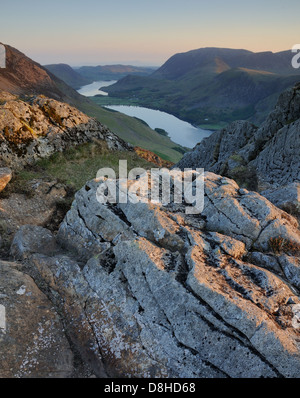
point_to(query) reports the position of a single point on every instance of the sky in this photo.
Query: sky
(144, 32)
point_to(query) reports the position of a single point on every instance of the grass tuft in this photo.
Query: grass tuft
(77, 165)
(281, 245)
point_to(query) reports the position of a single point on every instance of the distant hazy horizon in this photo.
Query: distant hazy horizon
(136, 32)
(140, 63)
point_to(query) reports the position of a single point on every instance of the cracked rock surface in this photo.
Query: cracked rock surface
(148, 291)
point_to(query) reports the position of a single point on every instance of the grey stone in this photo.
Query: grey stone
(247, 217)
(286, 198)
(291, 268)
(168, 298)
(93, 227)
(266, 261)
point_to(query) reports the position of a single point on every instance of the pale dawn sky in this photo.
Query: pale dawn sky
(93, 32)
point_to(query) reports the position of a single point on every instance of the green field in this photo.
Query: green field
(104, 100)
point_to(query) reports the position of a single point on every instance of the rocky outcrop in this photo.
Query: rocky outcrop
(244, 152)
(279, 160)
(37, 202)
(148, 291)
(40, 126)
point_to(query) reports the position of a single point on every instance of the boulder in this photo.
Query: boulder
(32, 239)
(37, 202)
(245, 215)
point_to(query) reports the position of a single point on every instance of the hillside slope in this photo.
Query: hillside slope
(112, 72)
(68, 75)
(24, 77)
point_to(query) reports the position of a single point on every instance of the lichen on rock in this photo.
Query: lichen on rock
(40, 126)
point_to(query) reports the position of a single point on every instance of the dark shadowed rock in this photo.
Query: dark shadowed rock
(32, 339)
(33, 239)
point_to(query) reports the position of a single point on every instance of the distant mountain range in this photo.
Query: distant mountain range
(78, 77)
(68, 75)
(213, 86)
(26, 78)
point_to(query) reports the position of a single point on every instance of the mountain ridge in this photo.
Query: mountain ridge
(84, 75)
(213, 86)
(233, 57)
(67, 74)
(112, 72)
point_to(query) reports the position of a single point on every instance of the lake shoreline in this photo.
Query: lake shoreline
(179, 131)
(105, 101)
(92, 89)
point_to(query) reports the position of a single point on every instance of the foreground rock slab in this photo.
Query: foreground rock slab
(148, 291)
(32, 340)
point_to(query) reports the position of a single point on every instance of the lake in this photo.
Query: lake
(93, 89)
(179, 131)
